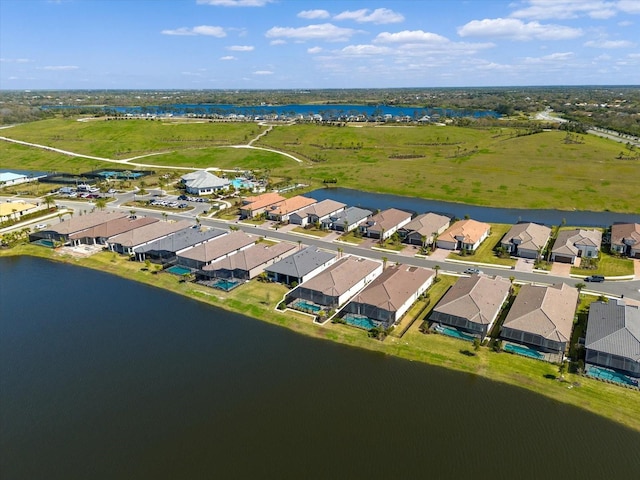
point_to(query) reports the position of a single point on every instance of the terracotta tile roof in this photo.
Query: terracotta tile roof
(261, 201)
(625, 233)
(469, 231)
(290, 205)
(113, 227)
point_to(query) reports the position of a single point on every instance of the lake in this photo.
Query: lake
(382, 201)
(102, 377)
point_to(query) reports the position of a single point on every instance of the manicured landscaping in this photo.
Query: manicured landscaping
(609, 266)
(311, 231)
(486, 253)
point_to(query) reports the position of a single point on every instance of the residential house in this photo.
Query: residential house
(625, 239)
(60, 232)
(203, 183)
(98, 234)
(423, 229)
(317, 212)
(335, 285)
(300, 266)
(257, 205)
(472, 304)
(127, 242)
(15, 209)
(387, 298)
(571, 244)
(220, 247)
(248, 263)
(526, 240)
(165, 250)
(346, 220)
(384, 224)
(464, 235)
(281, 211)
(542, 317)
(613, 337)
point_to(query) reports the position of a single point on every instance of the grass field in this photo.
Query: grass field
(484, 167)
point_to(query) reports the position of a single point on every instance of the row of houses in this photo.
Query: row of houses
(541, 319)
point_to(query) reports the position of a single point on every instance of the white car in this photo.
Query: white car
(41, 226)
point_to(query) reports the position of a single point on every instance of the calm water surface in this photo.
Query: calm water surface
(484, 214)
(105, 378)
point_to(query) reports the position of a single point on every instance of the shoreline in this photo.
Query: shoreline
(613, 402)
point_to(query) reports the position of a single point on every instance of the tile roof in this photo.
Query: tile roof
(302, 262)
(7, 208)
(141, 235)
(320, 209)
(532, 236)
(471, 231)
(251, 257)
(219, 247)
(341, 276)
(625, 233)
(427, 223)
(113, 227)
(394, 287)
(290, 205)
(78, 223)
(351, 215)
(261, 201)
(614, 328)
(567, 240)
(544, 311)
(477, 298)
(387, 219)
(181, 239)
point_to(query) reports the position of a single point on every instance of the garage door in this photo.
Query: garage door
(562, 259)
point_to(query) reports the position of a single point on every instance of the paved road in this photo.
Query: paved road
(628, 289)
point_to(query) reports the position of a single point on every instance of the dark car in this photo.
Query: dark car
(182, 197)
(473, 271)
(594, 278)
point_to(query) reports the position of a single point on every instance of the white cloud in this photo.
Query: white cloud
(554, 57)
(609, 44)
(629, 6)
(206, 30)
(564, 9)
(241, 48)
(634, 55)
(410, 36)
(515, 29)
(378, 16)
(278, 42)
(313, 14)
(263, 72)
(314, 50)
(228, 57)
(365, 50)
(15, 60)
(324, 31)
(234, 3)
(60, 67)
(625, 23)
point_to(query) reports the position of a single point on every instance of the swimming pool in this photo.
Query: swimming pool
(306, 306)
(452, 332)
(44, 242)
(226, 284)
(359, 321)
(524, 351)
(610, 375)
(178, 270)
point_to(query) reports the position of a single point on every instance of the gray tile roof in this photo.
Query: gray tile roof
(251, 257)
(528, 236)
(614, 328)
(219, 247)
(320, 209)
(351, 215)
(78, 223)
(477, 298)
(544, 311)
(203, 179)
(301, 263)
(567, 240)
(180, 240)
(113, 227)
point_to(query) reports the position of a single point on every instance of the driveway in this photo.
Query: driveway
(524, 265)
(561, 269)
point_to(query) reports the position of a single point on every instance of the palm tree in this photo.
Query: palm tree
(436, 268)
(101, 203)
(340, 250)
(165, 215)
(384, 262)
(48, 200)
(132, 212)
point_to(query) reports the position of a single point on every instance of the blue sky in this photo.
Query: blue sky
(271, 44)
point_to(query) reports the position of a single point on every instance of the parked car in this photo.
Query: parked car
(594, 278)
(182, 197)
(40, 226)
(473, 270)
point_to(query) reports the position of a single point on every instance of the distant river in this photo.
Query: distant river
(382, 201)
(327, 112)
(102, 377)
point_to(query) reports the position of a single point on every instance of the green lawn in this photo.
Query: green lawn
(485, 252)
(311, 231)
(609, 266)
(351, 238)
